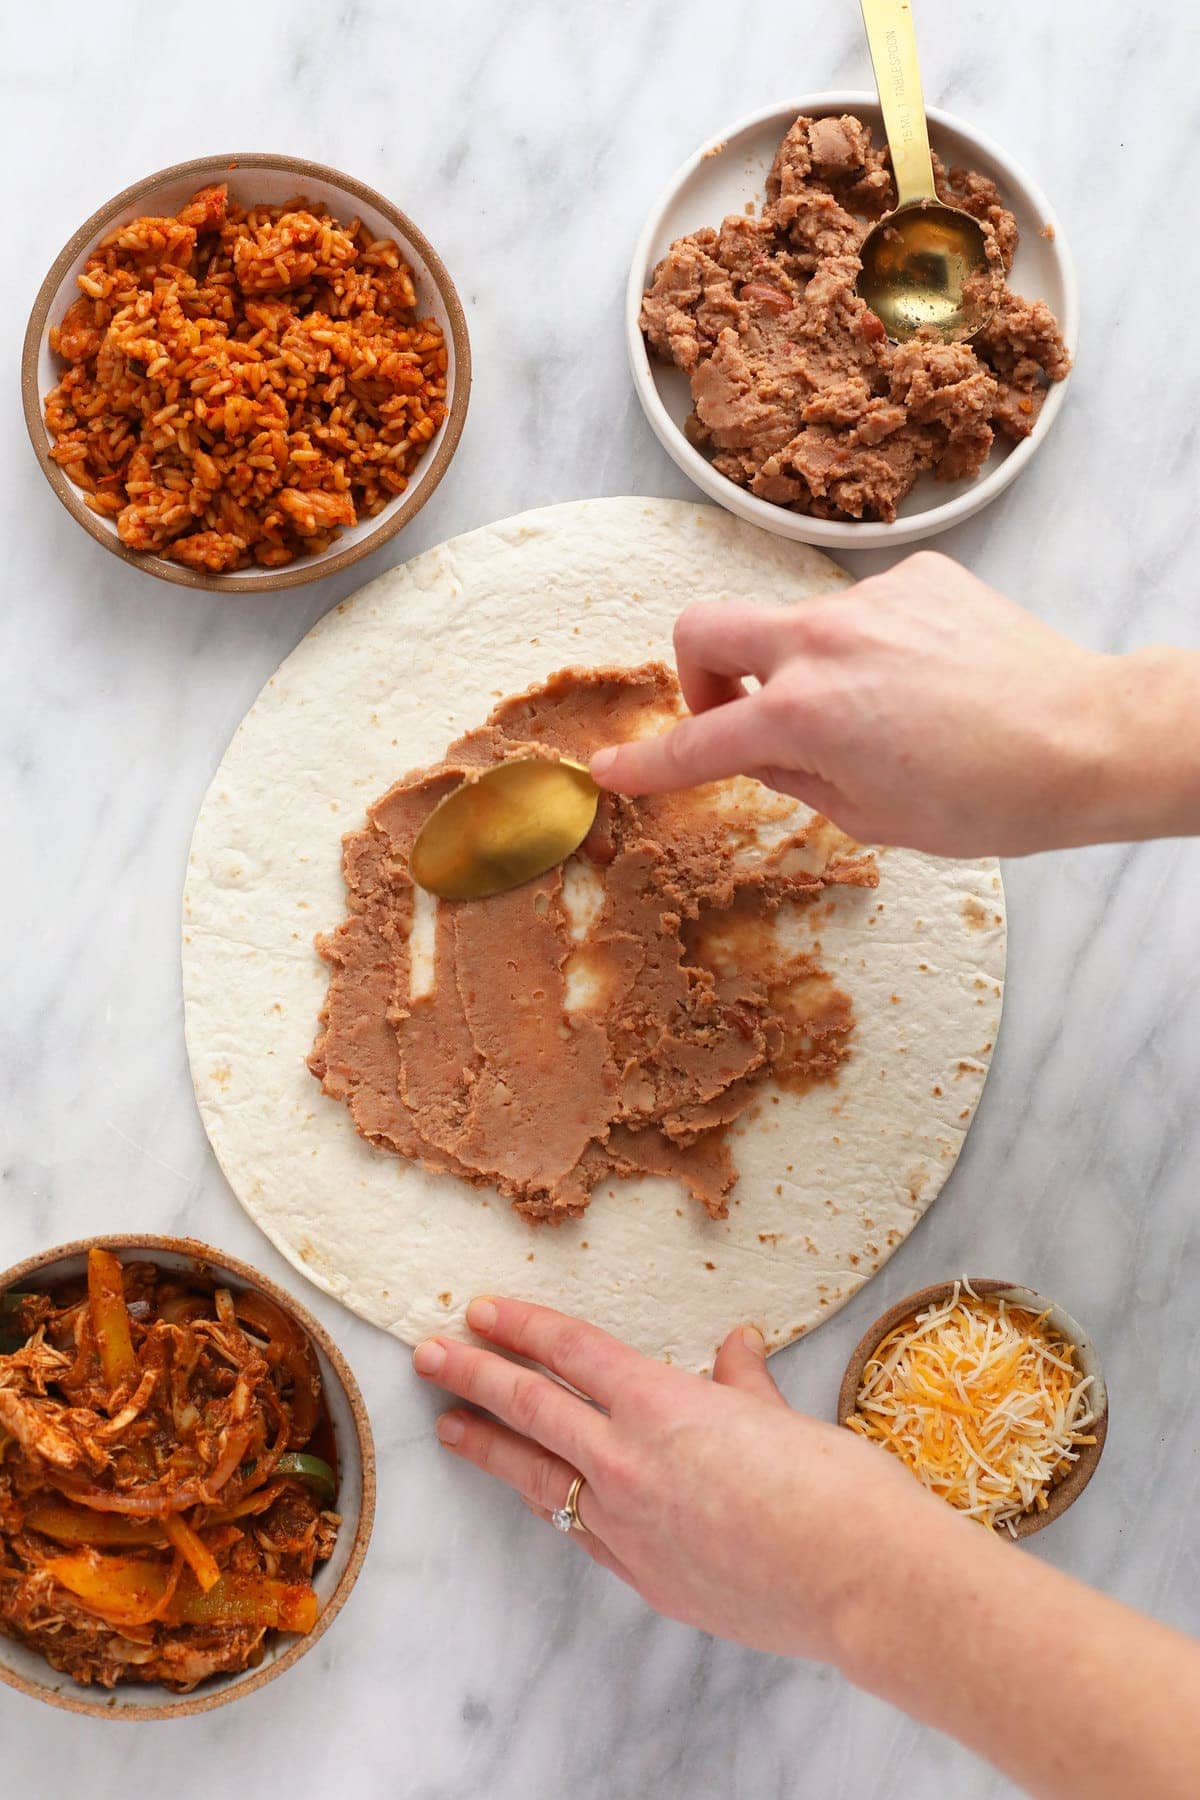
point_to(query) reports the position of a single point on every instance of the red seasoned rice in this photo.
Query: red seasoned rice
(242, 384)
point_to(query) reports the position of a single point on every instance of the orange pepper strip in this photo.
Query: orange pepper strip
(258, 1502)
(110, 1317)
(239, 1599)
(124, 1590)
(290, 1344)
(79, 1525)
(194, 1551)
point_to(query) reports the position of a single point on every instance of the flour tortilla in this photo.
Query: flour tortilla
(830, 1181)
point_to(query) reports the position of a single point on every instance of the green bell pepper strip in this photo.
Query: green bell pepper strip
(311, 1469)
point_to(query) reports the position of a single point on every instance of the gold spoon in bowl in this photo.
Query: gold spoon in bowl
(925, 263)
(503, 826)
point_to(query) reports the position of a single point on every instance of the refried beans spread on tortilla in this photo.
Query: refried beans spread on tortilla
(796, 390)
(610, 1018)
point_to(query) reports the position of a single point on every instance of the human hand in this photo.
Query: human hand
(712, 1499)
(725, 1509)
(920, 707)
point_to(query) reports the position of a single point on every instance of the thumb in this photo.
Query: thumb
(703, 747)
(742, 1363)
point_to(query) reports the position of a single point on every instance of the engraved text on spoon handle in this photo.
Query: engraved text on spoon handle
(893, 45)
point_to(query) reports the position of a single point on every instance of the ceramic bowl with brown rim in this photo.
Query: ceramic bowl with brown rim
(270, 181)
(1063, 1493)
(23, 1668)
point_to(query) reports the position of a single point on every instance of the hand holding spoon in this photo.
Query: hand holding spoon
(503, 826)
(925, 263)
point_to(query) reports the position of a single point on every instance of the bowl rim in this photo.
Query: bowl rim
(232, 1688)
(835, 534)
(327, 563)
(1068, 1490)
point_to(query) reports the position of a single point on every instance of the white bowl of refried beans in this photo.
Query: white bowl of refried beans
(773, 387)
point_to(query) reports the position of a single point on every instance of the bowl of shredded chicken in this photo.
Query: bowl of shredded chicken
(185, 1478)
(991, 1396)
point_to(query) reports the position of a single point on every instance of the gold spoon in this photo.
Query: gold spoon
(503, 826)
(926, 263)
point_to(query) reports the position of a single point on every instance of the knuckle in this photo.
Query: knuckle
(694, 623)
(782, 702)
(567, 1341)
(615, 1472)
(639, 1394)
(547, 1337)
(544, 1488)
(688, 627)
(528, 1403)
(479, 1445)
(675, 747)
(520, 1328)
(464, 1370)
(821, 623)
(927, 564)
(622, 1462)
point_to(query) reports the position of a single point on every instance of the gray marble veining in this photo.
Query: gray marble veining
(481, 1656)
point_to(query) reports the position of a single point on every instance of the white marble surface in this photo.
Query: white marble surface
(481, 1656)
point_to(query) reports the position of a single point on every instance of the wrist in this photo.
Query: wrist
(1138, 770)
(945, 1578)
(899, 1553)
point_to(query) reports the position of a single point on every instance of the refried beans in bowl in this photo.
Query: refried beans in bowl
(774, 386)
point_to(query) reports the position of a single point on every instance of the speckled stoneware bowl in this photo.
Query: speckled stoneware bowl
(271, 180)
(728, 173)
(1068, 1490)
(31, 1674)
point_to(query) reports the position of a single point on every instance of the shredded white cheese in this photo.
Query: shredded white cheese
(982, 1401)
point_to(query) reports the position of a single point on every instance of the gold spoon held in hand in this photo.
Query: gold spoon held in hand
(503, 826)
(926, 264)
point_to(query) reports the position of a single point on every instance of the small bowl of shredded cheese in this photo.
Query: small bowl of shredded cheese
(992, 1396)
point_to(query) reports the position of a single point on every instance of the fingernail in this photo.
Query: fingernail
(450, 1429)
(429, 1357)
(482, 1315)
(754, 1340)
(602, 763)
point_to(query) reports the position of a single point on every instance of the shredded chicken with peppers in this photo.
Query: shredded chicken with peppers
(161, 1511)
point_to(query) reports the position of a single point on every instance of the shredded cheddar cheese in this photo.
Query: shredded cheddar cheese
(982, 1401)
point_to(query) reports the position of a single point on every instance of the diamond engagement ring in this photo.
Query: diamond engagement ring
(566, 1517)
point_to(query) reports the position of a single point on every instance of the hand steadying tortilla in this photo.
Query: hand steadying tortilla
(919, 708)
